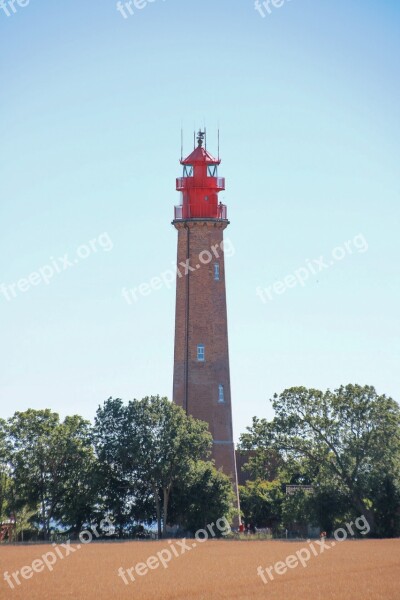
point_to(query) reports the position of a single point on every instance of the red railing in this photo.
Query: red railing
(192, 211)
(215, 183)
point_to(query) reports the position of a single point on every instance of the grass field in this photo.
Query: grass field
(352, 570)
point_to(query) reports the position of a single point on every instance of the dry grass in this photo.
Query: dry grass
(352, 570)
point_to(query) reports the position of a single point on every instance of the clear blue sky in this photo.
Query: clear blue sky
(92, 104)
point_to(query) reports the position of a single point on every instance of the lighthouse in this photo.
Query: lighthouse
(201, 362)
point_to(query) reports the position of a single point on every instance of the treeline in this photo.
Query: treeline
(147, 462)
(343, 446)
(140, 463)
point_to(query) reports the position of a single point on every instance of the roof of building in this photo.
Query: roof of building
(200, 155)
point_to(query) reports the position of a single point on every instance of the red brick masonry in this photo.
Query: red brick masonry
(201, 318)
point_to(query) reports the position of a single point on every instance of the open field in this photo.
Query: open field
(352, 570)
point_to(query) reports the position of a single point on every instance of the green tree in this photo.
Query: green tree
(297, 508)
(347, 440)
(201, 497)
(5, 480)
(261, 502)
(23, 521)
(150, 443)
(48, 459)
(83, 485)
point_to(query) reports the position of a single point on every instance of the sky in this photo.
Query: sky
(306, 96)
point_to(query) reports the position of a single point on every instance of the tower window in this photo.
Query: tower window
(212, 170)
(216, 271)
(188, 171)
(221, 396)
(200, 353)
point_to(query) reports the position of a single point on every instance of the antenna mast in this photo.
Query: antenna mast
(181, 143)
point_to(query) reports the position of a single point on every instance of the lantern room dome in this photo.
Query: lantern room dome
(199, 156)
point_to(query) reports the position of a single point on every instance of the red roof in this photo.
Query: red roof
(200, 155)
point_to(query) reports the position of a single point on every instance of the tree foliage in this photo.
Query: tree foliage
(261, 502)
(345, 442)
(49, 460)
(202, 495)
(149, 444)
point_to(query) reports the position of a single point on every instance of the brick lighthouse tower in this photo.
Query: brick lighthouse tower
(201, 365)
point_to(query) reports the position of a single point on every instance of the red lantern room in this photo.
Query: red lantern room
(200, 186)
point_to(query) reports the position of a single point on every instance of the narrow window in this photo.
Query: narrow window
(221, 397)
(188, 171)
(216, 271)
(212, 171)
(200, 352)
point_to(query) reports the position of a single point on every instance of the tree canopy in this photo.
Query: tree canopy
(147, 462)
(151, 444)
(346, 443)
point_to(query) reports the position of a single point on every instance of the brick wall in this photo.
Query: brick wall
(201, 318)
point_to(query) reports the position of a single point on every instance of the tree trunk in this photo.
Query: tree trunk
(158, 511)
(44, 521)
(364, 511)
(166, 491)
(48, 528)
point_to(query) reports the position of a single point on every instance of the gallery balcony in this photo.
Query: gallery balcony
(201, 211)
